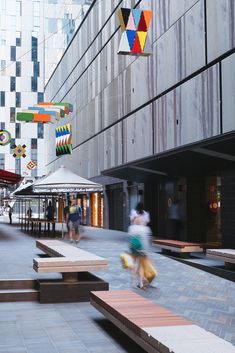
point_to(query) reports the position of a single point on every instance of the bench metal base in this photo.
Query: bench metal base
(59, 291)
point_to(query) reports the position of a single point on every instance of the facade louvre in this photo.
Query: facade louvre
(158, 129)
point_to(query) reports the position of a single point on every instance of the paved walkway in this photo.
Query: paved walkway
(30, 327)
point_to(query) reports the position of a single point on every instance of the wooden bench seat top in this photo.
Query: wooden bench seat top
(176, 243)
(66, 258)
(227, 255)
(154, 328)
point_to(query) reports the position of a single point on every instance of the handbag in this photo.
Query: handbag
(149, 270)
(127, 260)
(135, 242)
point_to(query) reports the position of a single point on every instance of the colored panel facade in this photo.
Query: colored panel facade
(134, 24)
(63, 139)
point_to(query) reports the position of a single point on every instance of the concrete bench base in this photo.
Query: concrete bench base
(59, 291)
(154, 328)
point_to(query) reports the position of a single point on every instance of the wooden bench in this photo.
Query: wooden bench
(155, 328)
(178, 246)
(35, 225)
(226, 255)
(74, 264)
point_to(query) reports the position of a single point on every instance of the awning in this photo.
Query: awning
(8, 178)
(210, 157)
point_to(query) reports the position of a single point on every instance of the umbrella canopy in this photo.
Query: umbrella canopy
(8, 178)
(23, 189)
(63, 180)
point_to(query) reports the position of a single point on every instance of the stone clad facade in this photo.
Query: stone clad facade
(129, 111)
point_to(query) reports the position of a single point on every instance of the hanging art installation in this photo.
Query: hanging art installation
(134, 24)
(31, 165)
(18, 151)
(45, 112)
(63, 135)
(5, 137)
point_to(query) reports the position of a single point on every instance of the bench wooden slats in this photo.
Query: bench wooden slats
(135, 311)
(154, 328)
(178, 246)
(176, 243)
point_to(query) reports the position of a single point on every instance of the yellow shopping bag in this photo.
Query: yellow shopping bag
(149, 270)
(127, 260)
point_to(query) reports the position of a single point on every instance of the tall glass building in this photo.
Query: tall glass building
(33, 36)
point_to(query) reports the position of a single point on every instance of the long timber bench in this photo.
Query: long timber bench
(75, 265)
(155, 328)
(178, 246)
(226, 255)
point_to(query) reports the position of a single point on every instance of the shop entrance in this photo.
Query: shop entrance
(188, 209)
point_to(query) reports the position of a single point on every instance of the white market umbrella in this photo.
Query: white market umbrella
(63, 181)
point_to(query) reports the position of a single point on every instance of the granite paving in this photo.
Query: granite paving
(30, 327)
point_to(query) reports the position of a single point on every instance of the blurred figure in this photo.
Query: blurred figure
(10, 211)
(140, 219)
(139, 255)
(50, 214)
(174, 216)
(66, 216)
(139, 241)
(29, 212)
(74, 219)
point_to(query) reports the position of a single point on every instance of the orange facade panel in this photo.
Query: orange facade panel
(42, 118)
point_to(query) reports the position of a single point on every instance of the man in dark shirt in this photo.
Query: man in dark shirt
(50, 213)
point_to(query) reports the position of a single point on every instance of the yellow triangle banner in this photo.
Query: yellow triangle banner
(142, 38)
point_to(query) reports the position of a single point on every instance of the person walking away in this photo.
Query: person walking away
(74, 218)
(139, 242)
(66, 216)
(50, 213)
(29, 212)
(10, 211)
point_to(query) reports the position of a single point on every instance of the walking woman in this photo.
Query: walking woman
(139, 233)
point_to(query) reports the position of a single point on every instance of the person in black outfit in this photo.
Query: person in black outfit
(50, 214)
(10, 211)
(66, 214)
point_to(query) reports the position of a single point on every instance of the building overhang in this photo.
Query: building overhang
(8, 178)
(204, 158)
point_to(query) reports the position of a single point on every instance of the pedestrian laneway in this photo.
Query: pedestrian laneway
(30, 327)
